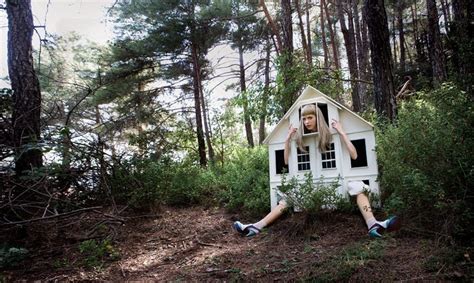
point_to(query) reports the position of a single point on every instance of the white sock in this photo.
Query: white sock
(372, 221)
(260, 224)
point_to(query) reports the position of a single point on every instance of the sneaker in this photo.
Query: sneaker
(391, 224)
(376, 231)
(245, 230)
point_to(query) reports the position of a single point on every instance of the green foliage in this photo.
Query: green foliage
(148, 183)
(292, 76)
(244, 181)
(60, 263)
(426, 161)
(11, 256)
(311, 197)
(6, 103)
(97, 252)
(240, 183)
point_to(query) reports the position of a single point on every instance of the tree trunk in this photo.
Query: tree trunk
(446, 13)
(366, 45)
(25, 85)
(438, 64)
(361, 55)
(323, 36)
(384, 90)
(197, 106)
(394, 40)
(287, 51)
(243, 92)
(302, 31)
(418, 38)
(308, 30)
(207, 130)
(351, 52)
(266, 90)
(273, 26)
(335, 51)
(401, 35)
(287, 26)
(414, 21)
(461, 34)
(100, 155)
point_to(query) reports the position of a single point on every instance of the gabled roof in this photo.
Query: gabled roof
(311, 93)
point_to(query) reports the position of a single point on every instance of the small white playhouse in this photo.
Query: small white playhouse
(330, 165)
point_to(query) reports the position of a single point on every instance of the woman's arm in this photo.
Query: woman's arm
(352, 150)
(286, 152)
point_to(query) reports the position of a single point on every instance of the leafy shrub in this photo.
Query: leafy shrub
(11, 256)
(245, 182)
(426, 162)
(138, 183)
(96, 253)
(149, 183)
(311, 197)
(190, 184)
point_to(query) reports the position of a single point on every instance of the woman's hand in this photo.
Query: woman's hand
(291, 132)
(337, 126)
(352, 150)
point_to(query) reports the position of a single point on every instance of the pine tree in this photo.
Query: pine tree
(384, 90)
(25, 85)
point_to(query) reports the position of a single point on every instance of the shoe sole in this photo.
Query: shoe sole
(237, 229)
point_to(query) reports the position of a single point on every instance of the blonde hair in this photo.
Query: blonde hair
(321, 127)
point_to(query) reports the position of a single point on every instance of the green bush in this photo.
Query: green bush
(11, 256)
(426, 162)
(97, 252)
(138, 183)
(190, 184)
(245, 182)
(148, 183)
(311, 197)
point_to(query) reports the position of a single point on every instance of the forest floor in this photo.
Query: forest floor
(198, 244)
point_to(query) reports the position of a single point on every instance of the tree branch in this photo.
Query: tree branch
(51, 217)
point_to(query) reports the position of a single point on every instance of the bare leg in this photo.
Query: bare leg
(251, 230)
(390, 224)
(364, 207)
(272, 216)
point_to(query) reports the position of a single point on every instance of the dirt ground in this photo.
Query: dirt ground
(198, 244)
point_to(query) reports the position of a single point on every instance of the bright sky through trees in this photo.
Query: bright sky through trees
(85, 17)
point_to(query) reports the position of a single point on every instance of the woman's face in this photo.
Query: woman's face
(309, 121)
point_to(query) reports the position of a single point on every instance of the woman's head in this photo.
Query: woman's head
(308, 118)
(312, 120)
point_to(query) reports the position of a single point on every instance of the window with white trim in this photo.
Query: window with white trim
(329, 158)
(303, 159)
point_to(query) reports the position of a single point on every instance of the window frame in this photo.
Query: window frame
(324, 109)
(307, 162)
(361, 148)
(332, 161)
(280, 162)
